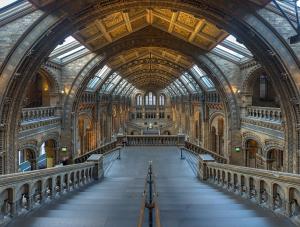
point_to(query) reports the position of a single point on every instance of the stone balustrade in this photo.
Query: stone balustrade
(22, 192)
(155, 140)
(31, 114)
(273, 190)
(191, 147)
(265, 113)
(104, 149)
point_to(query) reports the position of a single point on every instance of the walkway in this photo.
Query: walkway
(183, 200)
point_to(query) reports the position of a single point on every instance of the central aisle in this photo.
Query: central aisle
(183, 200)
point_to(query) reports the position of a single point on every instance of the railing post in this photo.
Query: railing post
(181, 154)
(203, 159)
(98, 160)
(150, 205)
(119, 155)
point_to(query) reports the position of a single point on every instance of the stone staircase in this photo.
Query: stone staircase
(184, 201)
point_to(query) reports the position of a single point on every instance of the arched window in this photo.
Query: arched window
(139, 100)
(161, 100)
(150, 99)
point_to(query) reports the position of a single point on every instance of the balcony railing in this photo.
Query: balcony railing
(31, 114)
(272, 190)
(265, 113)
(104, 149)
(155, 140)
(200, 150)
(23, 192)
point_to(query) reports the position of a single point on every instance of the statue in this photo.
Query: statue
(24, 202)
(236, 188)
(57, 189)
(277, 201)
(252, 194)
(7, 208)
(295, 209)
(37, 197)
(264, 196)
(71, 185)
(243, 190)
(65, 188)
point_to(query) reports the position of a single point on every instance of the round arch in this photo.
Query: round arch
(277, 57)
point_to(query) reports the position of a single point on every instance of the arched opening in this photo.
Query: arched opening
(40, 92)
(275, 160)
(217, 134)
(213, 136)
(150, 99)
(263, 93)
(27, 160)
(294, 204)
(48, 154)
(139, 100)
(86, 137)
(252, 149)
(6, 198)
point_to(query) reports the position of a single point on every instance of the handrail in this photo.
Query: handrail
(104, 149)
(200, 150)
(277, 191)
(152, 201)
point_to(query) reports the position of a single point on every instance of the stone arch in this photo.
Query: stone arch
(51, 136)
(29, 144)
(272, 144)
(32, 148)
(248, 81)
(253, 29)
(52, 79)
(251, 136)
(218, 133)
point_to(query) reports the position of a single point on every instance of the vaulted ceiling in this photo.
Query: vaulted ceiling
(197, 31)
(149, 67)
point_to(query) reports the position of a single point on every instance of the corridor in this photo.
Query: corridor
(183, 200)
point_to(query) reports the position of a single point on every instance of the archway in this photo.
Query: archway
(41, 91)
(217, 134)
(86, 140)
(213, 136)
(27, 160)
(252, 149)
(259, 43)
(275, 160)
(48, 154)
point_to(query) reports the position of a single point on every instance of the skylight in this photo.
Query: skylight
(204, 79)
(188, 83)
(235, 54)
(70, 52)
(110, 83)
(120, 86)
(4, 3)
(232, 39)
(99, 76)
(67, 40)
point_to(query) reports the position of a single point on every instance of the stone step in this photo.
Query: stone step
(183, 200)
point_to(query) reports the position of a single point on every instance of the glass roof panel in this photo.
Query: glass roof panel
(204, 79)
(67, 40)
(232, 39)
(4, 3)
(187, 81)
(111, 82)
(99, 76)
(70, 52)
(230, 51)
(120, 86)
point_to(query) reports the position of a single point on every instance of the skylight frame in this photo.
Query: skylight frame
(203, 78)
(98, 78)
